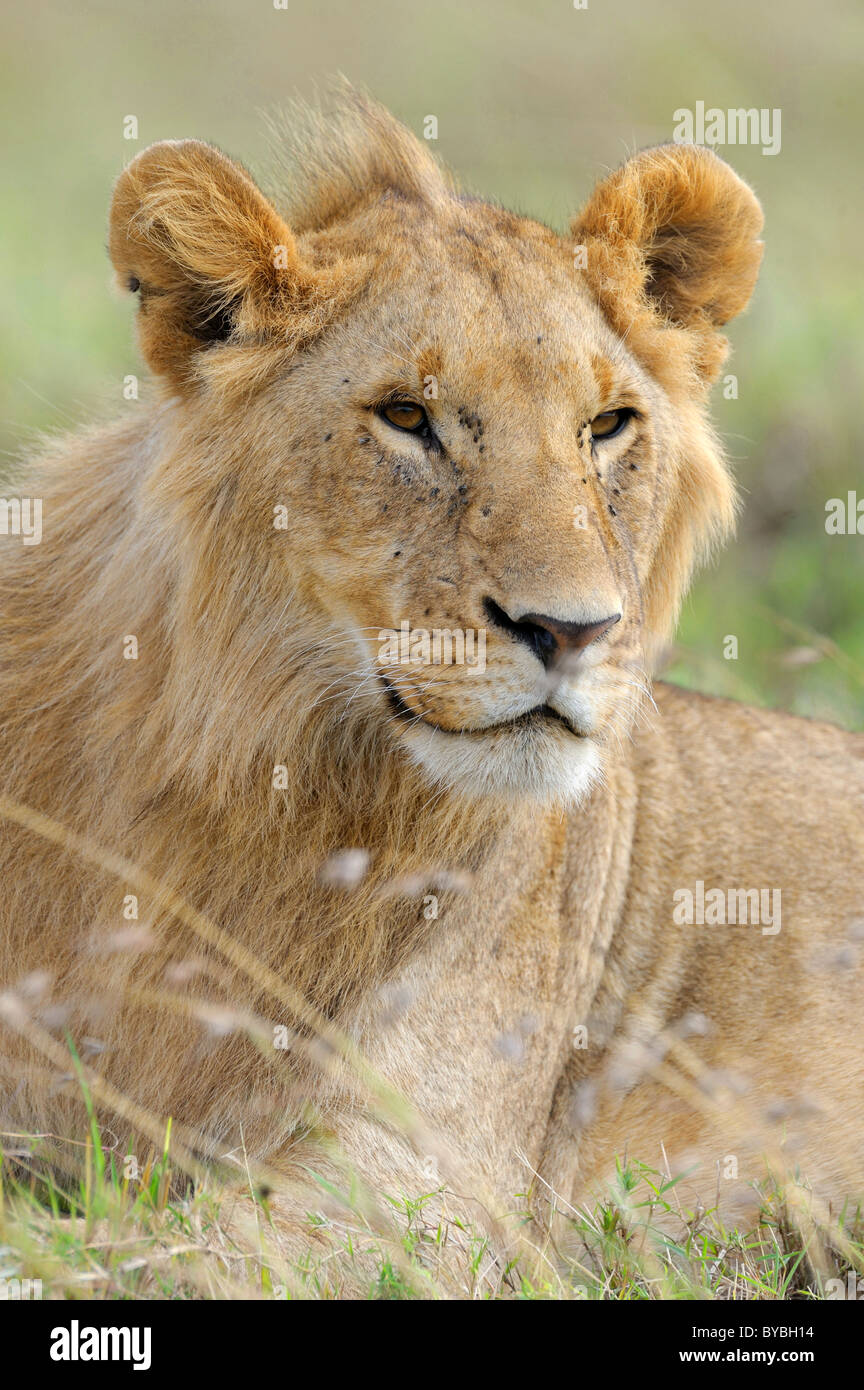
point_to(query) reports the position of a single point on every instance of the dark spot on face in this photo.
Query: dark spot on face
(463, 488)
(613, 511)
(396, 554)
(539, 337)
(482, 447)
(617, 491)
(326, 437)
(584, 480)
(426, 612)
(364, 438)
(634, 466)
(384, 508)
(345, 380)
(434, 492)
(487, 511)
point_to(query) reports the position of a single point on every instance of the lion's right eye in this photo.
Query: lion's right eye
(405, 415)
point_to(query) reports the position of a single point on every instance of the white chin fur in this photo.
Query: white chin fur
(543, 765)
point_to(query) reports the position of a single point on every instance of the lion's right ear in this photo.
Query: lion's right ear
(209, 256)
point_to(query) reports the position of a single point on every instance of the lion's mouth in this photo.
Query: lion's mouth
(536, 718)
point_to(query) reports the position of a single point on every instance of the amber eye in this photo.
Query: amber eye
(405, 415)
(610, 423)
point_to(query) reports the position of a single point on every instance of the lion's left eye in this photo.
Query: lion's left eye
(405, 415)
(610, 423)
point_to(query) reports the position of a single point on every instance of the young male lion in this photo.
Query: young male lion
(560, 921)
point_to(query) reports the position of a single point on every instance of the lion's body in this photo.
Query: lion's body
(252, 735)
(702, 1042)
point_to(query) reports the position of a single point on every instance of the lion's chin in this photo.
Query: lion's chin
(548, 764)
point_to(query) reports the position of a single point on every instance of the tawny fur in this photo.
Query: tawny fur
(273, 332)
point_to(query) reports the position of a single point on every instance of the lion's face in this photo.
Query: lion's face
(476, 472)
(491, 489)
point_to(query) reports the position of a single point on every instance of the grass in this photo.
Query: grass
(111, 1236)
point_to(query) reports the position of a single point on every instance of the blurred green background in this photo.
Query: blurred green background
(534, 99)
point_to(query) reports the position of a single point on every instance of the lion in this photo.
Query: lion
(272, 874)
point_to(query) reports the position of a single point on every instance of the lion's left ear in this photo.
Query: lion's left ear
(677, 232)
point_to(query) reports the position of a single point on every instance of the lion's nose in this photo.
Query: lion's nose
(549, 638)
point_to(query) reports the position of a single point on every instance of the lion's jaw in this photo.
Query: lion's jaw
(513, 731)
(544, 736)
(538, 760)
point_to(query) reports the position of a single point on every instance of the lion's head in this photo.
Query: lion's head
(395, 411)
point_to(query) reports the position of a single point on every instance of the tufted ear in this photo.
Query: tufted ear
(673, 231)
(210, 258)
